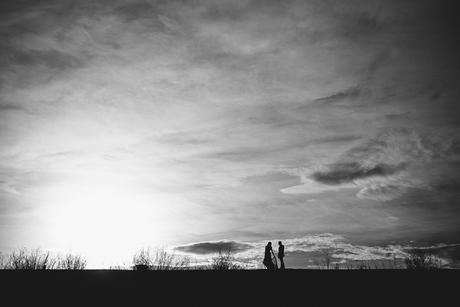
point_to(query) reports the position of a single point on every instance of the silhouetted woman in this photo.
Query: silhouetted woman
(268, 257)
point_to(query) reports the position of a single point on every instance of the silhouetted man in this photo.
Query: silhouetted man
(281, 254)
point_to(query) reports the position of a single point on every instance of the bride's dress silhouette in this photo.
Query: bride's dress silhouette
(269, 257)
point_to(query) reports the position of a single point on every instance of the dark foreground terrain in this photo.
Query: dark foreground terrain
(230, 288)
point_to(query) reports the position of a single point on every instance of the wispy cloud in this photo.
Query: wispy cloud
(382, 168)
(350, 93)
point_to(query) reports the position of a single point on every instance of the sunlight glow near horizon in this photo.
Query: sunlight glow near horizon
(107, 219)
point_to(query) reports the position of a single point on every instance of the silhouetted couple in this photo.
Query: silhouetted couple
(269, 261)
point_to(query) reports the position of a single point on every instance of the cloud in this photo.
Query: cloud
(10, 107)
(9, 187)
(383, 168)
(51, 58)
(346, 172)
(382, 192)
(312, 187)
(338, 139)
(204, 248)
(350, 93)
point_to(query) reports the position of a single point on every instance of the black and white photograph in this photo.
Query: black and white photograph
(209, 146)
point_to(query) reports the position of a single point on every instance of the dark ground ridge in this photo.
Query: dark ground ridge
(235, 288)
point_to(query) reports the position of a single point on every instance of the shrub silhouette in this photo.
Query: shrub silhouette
(71, 262)
(2, 261)
(421, 260)
(326, 255)
(24, 259)
(142, 258)
(224, 261)
(36, 259)
(161, 260)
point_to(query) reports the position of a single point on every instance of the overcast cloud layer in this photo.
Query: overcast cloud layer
(172, 122)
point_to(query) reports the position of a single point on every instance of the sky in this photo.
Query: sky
(192, 124)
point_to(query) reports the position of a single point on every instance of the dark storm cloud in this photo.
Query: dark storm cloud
(346, 172)
(214, 247)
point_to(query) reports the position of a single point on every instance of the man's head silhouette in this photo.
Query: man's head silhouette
(279, 242)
